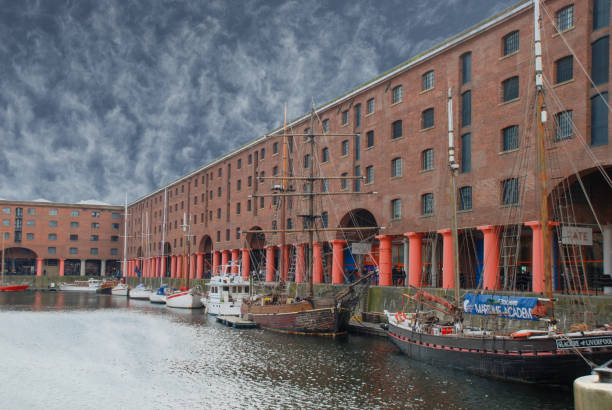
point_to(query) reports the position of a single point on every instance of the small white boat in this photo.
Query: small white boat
(122, 289)
(140, 292)
(185, 299)
(160, 295)
(90, 285)
(224, 295)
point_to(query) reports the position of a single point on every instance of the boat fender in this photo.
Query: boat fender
(400, 316)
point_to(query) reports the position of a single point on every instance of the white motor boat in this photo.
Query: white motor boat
(224, 295)
(186, 299)
(90, 285)
(160, 295)
(122, 289)
(140, 292)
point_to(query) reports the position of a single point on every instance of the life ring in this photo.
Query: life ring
(400, 316)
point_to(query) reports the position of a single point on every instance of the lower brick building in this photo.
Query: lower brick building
(55, 239)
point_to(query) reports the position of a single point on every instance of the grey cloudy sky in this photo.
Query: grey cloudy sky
(99, 98)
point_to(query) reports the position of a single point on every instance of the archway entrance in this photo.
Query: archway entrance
(357, 218)
(256, 242)
(19, 261)
(168, 260)
(206, 246)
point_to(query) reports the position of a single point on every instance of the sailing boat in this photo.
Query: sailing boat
(159, 296)
(142, 291)
(122, 288)
(5, 287)
(547, 356)
(185, 298)
(312, 315)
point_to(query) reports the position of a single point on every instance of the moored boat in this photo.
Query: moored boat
(121, 289)
(159, 296)
(91, 285)
(184, 299)
(13, 288)
(140, 292)
(225, 292)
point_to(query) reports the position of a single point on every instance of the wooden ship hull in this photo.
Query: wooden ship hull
(540, 361)
(304, 318)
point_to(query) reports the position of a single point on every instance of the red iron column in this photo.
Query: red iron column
(414, 258)
(246, 263)
(39, 266)
(491, 257)
(192, 266)
(384, 261)
(173, 266)
(269, 263)
(285, 256)
(200, 265)
(448, 260)
(225, 255)
(537, 256)
(337, 261)
(179, 266)
(61, 266)
(317, 263)
(216, 257)
(235, 256)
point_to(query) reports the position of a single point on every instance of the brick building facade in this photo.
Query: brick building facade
(393, 132)
(55, 239)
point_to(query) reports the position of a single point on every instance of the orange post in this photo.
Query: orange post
(491, 257)
(384, 262)
(414, 258)
(448, 260)
(317, 263)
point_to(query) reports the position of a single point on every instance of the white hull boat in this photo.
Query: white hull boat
(159, 296)
(90, 285)
(140, 292)
(185, 299)
(225, 294)
(121, 289)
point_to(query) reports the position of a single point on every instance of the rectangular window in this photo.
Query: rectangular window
(466, 153)
(275, 148)
(345, 117)
(511, 89)
(114, 251)
(227, 234)
(29, 236)
(369, 174)
(510, 137)
(30, 222)
(511, 43)
(325, 155)
(427, 204)
(345, 147)
(396, 129)
(465, 198)
(370, 139)
(116, 215)
(52, 224)
(344, 181)
(238, 208)
(114, 238)
(307, 161)
(600, 60)
(74, 251)
(250, 159)
(396, 209)
(428, 80)
(31, 211)
(397, 94)
(6, 211)
(95, 214)
(262, 202)
(357, 182)
(565, 18)
(18, 236)
(239, 185)
(466, 108)
(74, 213)
(357, 147)
(93, 251)
(248, 205)
(52, 211)
(220, 170)
(466, 68)
(249, 181)
(510, 191)
(93, 238)
(74, 237)
(427, 118)
(427, 161)
(396, 167)
(239, 163)
(115, 226)
(326, 125)
(599, 119)
(218, 236)
(565, 69)
(95, 225)
(52, 237)
(358, 116)
(601, 14)
(6, 222)
(324, 219)
(370, 105)
(324, 185)
(565, 127)
(51, 250)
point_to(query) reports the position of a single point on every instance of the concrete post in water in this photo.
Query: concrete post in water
(594, 392)
(384, 261)
(83, 261)
(269, 263)
(414, 269)
(317, 263)
(448, 260)
(246, 263)
(491, 257)
(102, 267)
(235, 256)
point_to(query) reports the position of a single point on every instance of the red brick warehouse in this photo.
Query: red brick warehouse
(399, 146)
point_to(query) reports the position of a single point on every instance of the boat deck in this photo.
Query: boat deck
(236, 322)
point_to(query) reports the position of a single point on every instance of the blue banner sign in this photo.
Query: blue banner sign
(509, 307)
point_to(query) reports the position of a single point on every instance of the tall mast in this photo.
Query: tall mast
(283, 200)
(310, 218)
(163, 243)
(187, 231)
(2, 258)
(453, 167)
(125, 219)
(147, 244)
(541, 151)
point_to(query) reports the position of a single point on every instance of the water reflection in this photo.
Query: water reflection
(99, 351)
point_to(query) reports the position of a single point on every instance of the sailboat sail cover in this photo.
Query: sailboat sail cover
(509, 307)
